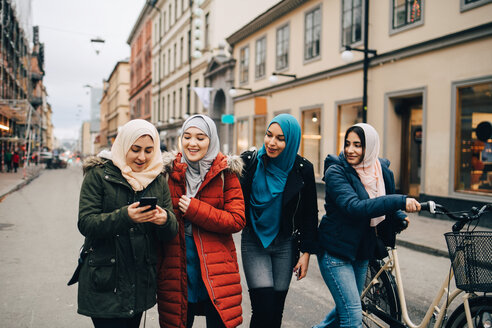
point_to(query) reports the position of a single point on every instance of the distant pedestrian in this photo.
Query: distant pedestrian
(16, 161)
(362, 216)
(117, 280)
(7, 158)
(282, 218)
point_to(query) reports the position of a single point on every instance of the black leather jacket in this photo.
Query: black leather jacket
(299, 204)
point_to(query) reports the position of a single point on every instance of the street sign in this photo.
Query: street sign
(227, 118)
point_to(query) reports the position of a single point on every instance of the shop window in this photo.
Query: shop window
(348, 115)
(311, 137)
(259, 131)
(242, 135)
(474, 138)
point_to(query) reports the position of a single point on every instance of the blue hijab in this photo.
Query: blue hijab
(269, 181)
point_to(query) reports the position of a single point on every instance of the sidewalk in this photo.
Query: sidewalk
(10, 182)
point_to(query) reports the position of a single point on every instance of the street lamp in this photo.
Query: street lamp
(97, 44)
(274, 77)
(348, 56)
(233, 90)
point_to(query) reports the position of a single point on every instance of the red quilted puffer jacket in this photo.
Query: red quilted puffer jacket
(216, 212)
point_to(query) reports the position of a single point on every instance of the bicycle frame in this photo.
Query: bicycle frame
(393, 266)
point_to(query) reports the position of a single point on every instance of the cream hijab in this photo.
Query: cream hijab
(369, 170)
(126, 137)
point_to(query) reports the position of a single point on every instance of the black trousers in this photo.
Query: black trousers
(133, 322)
(207, 309)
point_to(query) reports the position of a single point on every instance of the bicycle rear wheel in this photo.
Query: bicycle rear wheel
(478, 306)
(381, 299)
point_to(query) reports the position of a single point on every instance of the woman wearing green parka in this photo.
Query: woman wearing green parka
(117, 280)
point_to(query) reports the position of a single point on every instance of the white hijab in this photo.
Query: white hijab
(196, 171)
(126, 137)
(369, 170)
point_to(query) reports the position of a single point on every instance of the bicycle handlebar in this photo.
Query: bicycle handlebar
(474, 214)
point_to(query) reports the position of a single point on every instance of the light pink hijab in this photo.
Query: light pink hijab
(369, 170)
(126, 137)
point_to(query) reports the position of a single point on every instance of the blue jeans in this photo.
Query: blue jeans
(345, 280)
(266, 267)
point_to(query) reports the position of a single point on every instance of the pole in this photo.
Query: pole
(188, 95)
(366, 61)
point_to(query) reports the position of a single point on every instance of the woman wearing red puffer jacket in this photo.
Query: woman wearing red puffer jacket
(198, 270)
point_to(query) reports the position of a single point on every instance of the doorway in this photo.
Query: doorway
(410, 112)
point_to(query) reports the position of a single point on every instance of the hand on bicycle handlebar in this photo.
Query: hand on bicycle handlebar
(412, 205)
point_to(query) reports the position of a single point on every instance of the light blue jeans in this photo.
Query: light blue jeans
(345, 280)
(266, 267)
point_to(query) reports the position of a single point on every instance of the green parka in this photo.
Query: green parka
(118, 275)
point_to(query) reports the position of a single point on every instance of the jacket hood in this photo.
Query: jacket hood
(234, 162)
(93, 161)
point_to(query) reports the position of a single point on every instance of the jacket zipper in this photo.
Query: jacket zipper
(205, 264)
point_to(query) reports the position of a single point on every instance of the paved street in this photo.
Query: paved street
(40, 241)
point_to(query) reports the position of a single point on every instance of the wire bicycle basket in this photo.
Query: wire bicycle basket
(471, 256)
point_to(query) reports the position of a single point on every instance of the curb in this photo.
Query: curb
(422, 248)
(22, 184)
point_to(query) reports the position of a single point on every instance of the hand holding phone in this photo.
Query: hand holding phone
(145, 201)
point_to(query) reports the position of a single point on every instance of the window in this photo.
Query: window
(175, 55)
(282, 57)
(406, 12)
(169, 113)
(207, 30)
(163, 65)
(244, 64)
(147, 103)
(260, 58)
(180, 100)
(174, 104)
(259, 126)
(312, 35)
(164, 21)
(168, 61)
(170, 12)
(242, 135)
(175, 10)
(348, 115)
(158, 71)
(162, 111)
(470, 4)
(311, 137)
(473, 165)
(351, 21)
(195, 99)
(181, 49)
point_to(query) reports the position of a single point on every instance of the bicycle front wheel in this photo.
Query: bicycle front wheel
(478, 307)
(381, 300)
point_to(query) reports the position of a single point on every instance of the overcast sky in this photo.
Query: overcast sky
(66, 28)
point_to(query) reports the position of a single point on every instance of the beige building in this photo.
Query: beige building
(429, 86)
(186, 35)
(86, 140)
(114, 104)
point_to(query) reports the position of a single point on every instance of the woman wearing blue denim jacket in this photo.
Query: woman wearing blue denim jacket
(360, 204)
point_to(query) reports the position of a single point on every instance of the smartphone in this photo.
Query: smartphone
(152, 201)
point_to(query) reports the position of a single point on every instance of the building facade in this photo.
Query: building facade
(23, 108)
(140, 41)
(428, 82)
(186, 35)
(114, 105)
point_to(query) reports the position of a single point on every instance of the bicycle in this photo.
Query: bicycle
(470, 251)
